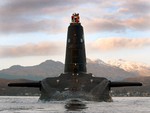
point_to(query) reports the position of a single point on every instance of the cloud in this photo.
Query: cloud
(100, 25)
(121, 16)
(116, 25)
(32, 16)
(40, 49)
(141, 23)
(135, 8)
(37, 7)
(23, 16)
(25, 26)
(109, 44)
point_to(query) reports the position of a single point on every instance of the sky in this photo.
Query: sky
(32, 31)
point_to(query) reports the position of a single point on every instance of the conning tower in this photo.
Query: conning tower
(75, 48)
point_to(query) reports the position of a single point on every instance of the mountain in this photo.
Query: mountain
(51, 68)
(137, 68)
(102, 69)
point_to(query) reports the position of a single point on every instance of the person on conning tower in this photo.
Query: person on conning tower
(75, 18)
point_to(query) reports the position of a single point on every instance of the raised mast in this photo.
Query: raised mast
(75, 61)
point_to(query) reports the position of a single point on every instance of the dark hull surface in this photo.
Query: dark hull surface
(68, 86)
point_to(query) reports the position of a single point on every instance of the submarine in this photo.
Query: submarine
(75, 82)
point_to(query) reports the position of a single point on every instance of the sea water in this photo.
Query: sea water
(23, 104)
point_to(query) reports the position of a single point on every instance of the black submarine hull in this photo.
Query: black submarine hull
(68, 86)
(75, 82)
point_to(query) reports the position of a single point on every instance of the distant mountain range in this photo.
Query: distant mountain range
(48, 68)
(141, 69)
(113, 70)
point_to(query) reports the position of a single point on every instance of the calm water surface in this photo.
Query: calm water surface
(19, 104)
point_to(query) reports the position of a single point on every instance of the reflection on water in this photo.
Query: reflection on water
(16, 104)
(75, 105)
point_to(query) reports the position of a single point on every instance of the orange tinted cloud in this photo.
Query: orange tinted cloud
(113, 24)
(23, 16)
(40, 49)
(108, 44)
(141, 23)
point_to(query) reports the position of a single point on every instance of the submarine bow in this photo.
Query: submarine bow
(75, 82)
